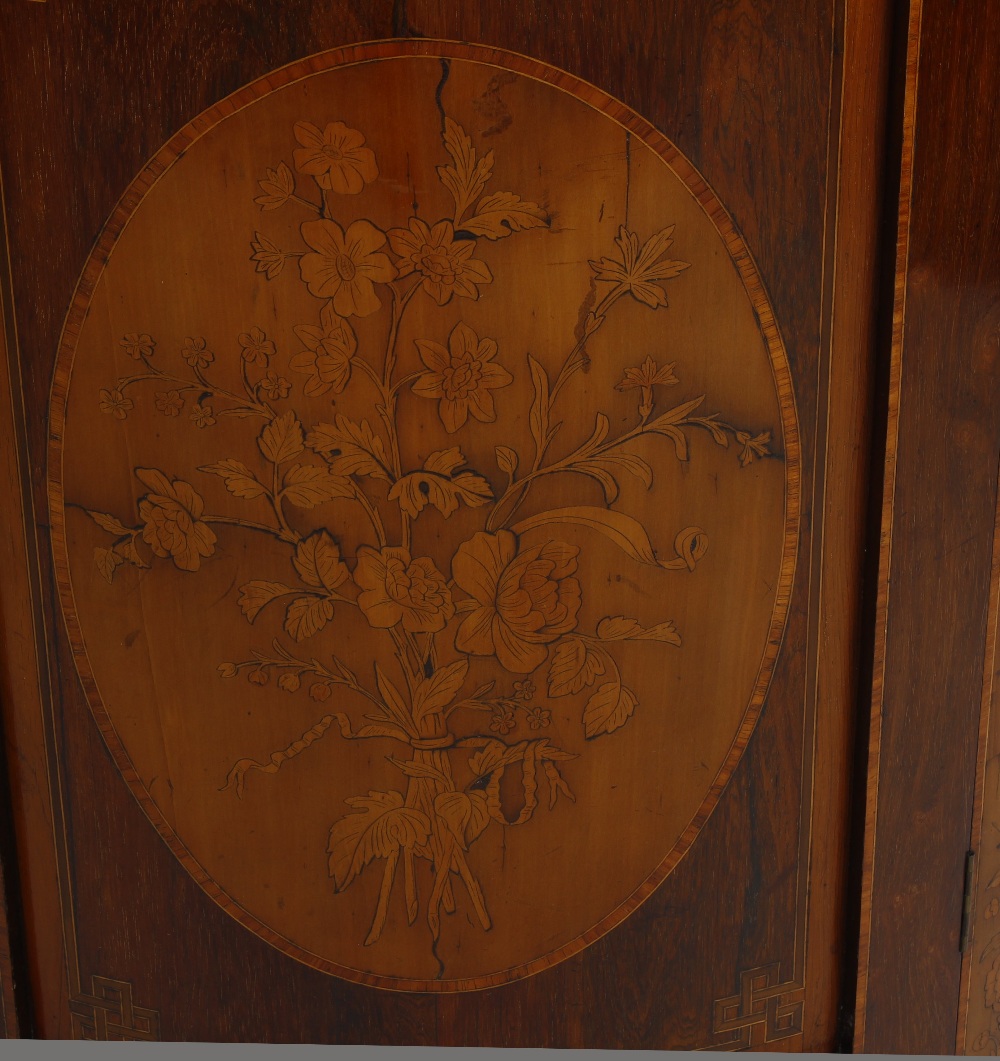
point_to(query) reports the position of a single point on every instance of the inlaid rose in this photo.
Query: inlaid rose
(171, 514)
(521, 601)
(396, 588)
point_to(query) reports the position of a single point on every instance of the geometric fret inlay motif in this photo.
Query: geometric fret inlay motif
(108, 1015)
(764, 1010)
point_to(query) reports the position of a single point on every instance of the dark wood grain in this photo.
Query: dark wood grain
(741, 88)
(13, 998)
(936, 577)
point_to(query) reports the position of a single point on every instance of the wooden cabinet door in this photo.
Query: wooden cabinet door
(929, 943)
(434, 489)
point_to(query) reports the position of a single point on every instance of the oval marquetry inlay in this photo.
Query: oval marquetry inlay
(425, 492)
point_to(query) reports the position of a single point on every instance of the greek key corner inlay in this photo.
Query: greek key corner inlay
(108, 1014)
(763, 1011)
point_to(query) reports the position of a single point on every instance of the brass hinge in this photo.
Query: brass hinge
(970, 865)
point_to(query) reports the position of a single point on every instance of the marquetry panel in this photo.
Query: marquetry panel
(425, 495)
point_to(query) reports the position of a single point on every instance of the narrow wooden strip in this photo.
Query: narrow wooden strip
(888, 498)
(9, 1024)
(974, 952)
(846, 416)
(32, 769)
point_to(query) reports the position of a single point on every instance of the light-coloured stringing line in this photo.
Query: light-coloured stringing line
(888, 498)
(814, 597)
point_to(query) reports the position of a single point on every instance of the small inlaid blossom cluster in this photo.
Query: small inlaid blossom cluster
(485, 633)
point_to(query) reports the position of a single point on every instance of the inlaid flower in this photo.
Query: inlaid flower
(539, 718)
(169, 403)
(171, 514)
(256, 347)
(645, 377)
(524, 690)
(638, 270)
(196, 352)
(327, 359)
(345, 266)
(336, 157)
(755, 446)
(502, 720)
(396, 588)
(137, 345)
(275, 386)
(521, 601)
(462, 378)
(116, 403)
(447, 266)
(203, 415)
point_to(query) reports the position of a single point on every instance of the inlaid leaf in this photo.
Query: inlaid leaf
(479, 816)
(574, 666)
(156, 482)
(305, 485)
(351, 448)
(455, 810)
(599, 434)
(254, 595)
(676, 435)
(108, 562)
(621, 628)
(617, 628)
(675, 415)
(412, 768)
(438, 691)
(127, 551)
(630, 462)
(418, 489)
(445, 461)
(238, 478)
(281, 439)
(307, 616)
(467, 178)
(506, 460)
(596, 471)
(502, 213)
(493, 755)
(608, 709)
(393, 701)
(108, 522)
(538, 417)
(380, 826)
(317, 560)
(711, 423)
(627, 533)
